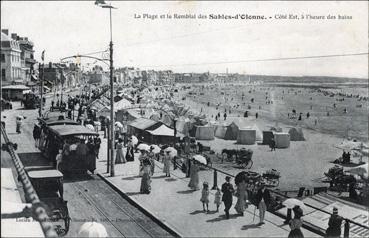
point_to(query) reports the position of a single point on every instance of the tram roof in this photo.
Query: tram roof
(72, 130)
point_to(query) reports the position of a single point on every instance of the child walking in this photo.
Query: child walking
(205, 196)
(217, 199)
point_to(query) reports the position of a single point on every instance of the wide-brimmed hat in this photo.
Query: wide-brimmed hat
(227, 178)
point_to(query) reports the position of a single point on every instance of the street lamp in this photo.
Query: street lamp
(111, 138)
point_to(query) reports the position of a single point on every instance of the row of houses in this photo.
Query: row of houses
(17, 59)
(137, 76)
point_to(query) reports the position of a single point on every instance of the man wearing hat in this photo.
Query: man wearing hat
(334, 225)
(227, 190)
(262, 201)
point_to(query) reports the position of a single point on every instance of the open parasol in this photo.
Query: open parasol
(359, 170)
(199, 158)
(156, 149)
(172, 151)
(143, 146)
(292, 202)
(118, 124)
(134, 140)
(241, 176)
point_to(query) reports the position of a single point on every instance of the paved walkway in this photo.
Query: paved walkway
(172, 202)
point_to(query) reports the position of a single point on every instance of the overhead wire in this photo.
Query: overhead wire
(261, 60)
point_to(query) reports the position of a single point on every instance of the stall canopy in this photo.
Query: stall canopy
(122, 104)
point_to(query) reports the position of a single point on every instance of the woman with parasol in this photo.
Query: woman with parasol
(296, 223)
(146, 176)
(194, 175)
(241, 194)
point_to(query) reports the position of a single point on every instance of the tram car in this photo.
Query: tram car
(31, 100)
(77, 144)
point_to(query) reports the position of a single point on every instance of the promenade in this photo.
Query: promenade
(175, 204)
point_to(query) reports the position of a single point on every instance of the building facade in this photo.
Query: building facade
(11, 66)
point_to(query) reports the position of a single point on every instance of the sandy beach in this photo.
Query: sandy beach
(302, 164)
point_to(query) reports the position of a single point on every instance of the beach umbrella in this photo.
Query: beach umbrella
(92, 229)
(199, 158)
(90, 127)
(156, 149)
(359, 170)
(172, 151)
(143, 146)
(118, 124)
(134, 140)
(292, 202)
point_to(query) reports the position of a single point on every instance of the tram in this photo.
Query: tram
(76, 143)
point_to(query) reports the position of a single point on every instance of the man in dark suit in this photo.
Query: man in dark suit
(227, 190)
(334, 225)
(262, 201)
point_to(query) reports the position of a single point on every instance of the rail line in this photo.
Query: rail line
(144, 230)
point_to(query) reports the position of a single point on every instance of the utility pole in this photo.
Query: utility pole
(111, 138)
(42, 83)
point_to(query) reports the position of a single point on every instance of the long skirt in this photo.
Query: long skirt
(18, 127)
(296, 233)
(130, 155)
(119, 158)
(145, 183)
(152, 166)
(194, 181)
(241, 204)
(166, 168)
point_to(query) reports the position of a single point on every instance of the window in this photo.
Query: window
(2, 58)
(3, 73)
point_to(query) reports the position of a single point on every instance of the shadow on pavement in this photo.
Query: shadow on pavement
(250, 226)
(132, 193)
(186, 191)
(170, 179)
(223, 217)
(197, 212)
(158, 177)
(130, 178)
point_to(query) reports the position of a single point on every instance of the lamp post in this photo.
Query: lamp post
(111, 137)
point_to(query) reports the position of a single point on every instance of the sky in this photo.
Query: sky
(63, 28)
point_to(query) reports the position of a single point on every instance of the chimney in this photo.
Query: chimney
(14, 36)
(5, 31)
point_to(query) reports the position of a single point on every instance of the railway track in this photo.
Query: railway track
(93, 200)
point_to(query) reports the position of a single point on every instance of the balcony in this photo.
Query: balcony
(30, 60)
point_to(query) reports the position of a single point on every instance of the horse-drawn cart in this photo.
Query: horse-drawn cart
(242, 157)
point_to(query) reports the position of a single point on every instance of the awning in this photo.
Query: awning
(163, 130)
